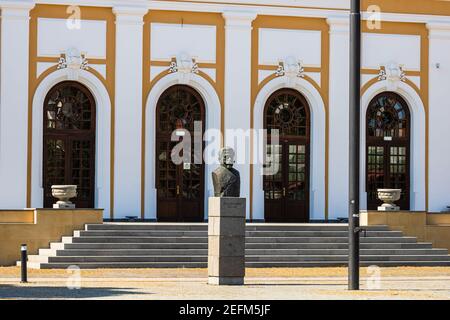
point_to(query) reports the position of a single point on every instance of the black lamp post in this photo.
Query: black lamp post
(355, 112)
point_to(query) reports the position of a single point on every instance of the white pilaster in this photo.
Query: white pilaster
(338, 117)
(238, 40)
(439, 113)
(128, 111)
(15, 16)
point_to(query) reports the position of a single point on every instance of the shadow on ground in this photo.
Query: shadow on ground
(44, 292)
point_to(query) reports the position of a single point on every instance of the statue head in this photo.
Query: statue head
(226, 157)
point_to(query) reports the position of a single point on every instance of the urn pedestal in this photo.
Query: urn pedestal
(64, 193)
(226, 241)
(389, 197)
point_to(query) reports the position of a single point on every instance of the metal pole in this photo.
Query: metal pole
(23, 264)
(355, 105)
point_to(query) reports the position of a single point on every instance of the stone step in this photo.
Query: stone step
(344, 245)
(174, 245)
(181, 245)
(250, 252)
(179, 233)
(89, 239)
(304, 264)
(329, 240)
(203, 258)
(163, 246)
(85, 239)
(204, 227)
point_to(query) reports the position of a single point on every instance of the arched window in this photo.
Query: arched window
(69, 142)
(68, 106)
(287, 111)
(178, 108)
(287, 190)
(388, 148)
(388, 116)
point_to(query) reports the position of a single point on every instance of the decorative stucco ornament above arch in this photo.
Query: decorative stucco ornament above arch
(393, 73)
(184, 65)
(290, 69)
(72, 61)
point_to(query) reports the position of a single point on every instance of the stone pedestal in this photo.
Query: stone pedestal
(226, 241)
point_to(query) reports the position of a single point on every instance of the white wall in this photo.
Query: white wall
(54, 36)
(278, 44)
(439, 129)
(169, 39)
(237, 91)
(14, 104)
(128, 112)
(380, 49)
(338, 167)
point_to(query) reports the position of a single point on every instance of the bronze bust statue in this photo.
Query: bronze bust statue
(226, 180)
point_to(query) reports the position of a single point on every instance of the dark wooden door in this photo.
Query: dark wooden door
(69, 142)
(180, 186)
(286, 190)
(388, 148)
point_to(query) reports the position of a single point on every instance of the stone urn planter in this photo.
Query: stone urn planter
(389, 197)
(64, 193)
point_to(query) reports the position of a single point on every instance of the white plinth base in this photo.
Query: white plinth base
(389, 208)
(64, 206)
(226, 281)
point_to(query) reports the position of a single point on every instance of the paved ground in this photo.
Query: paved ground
(298, 283)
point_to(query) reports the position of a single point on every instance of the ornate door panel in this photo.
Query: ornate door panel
(180, 187)
(388, 152)
(287, 191)
(69, 142)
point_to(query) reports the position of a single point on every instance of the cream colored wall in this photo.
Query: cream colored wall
(434, 228)
(38, 227)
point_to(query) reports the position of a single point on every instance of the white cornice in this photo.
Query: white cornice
(130, 14)
(17, 4)
(238, 19)
(439, 30)
(16, 10)
(339, 24)
(299, 8)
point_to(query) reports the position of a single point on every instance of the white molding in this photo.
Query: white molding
(130, 15)
(239, 19)
(302, 8)
(16, 10)
(317, 143)
(417, 147)
(213, 121)
(439, 30)
(339, 24)
(102, 143)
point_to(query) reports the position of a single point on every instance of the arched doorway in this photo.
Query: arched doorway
(180, 188)
(286, 192)
(388, 148)
(69, 142)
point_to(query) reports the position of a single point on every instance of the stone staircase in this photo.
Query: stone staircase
(185, 245)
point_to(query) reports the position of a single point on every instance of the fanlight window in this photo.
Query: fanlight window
(388, 116)
(68, 107)
(179, 108)
(287, 111)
